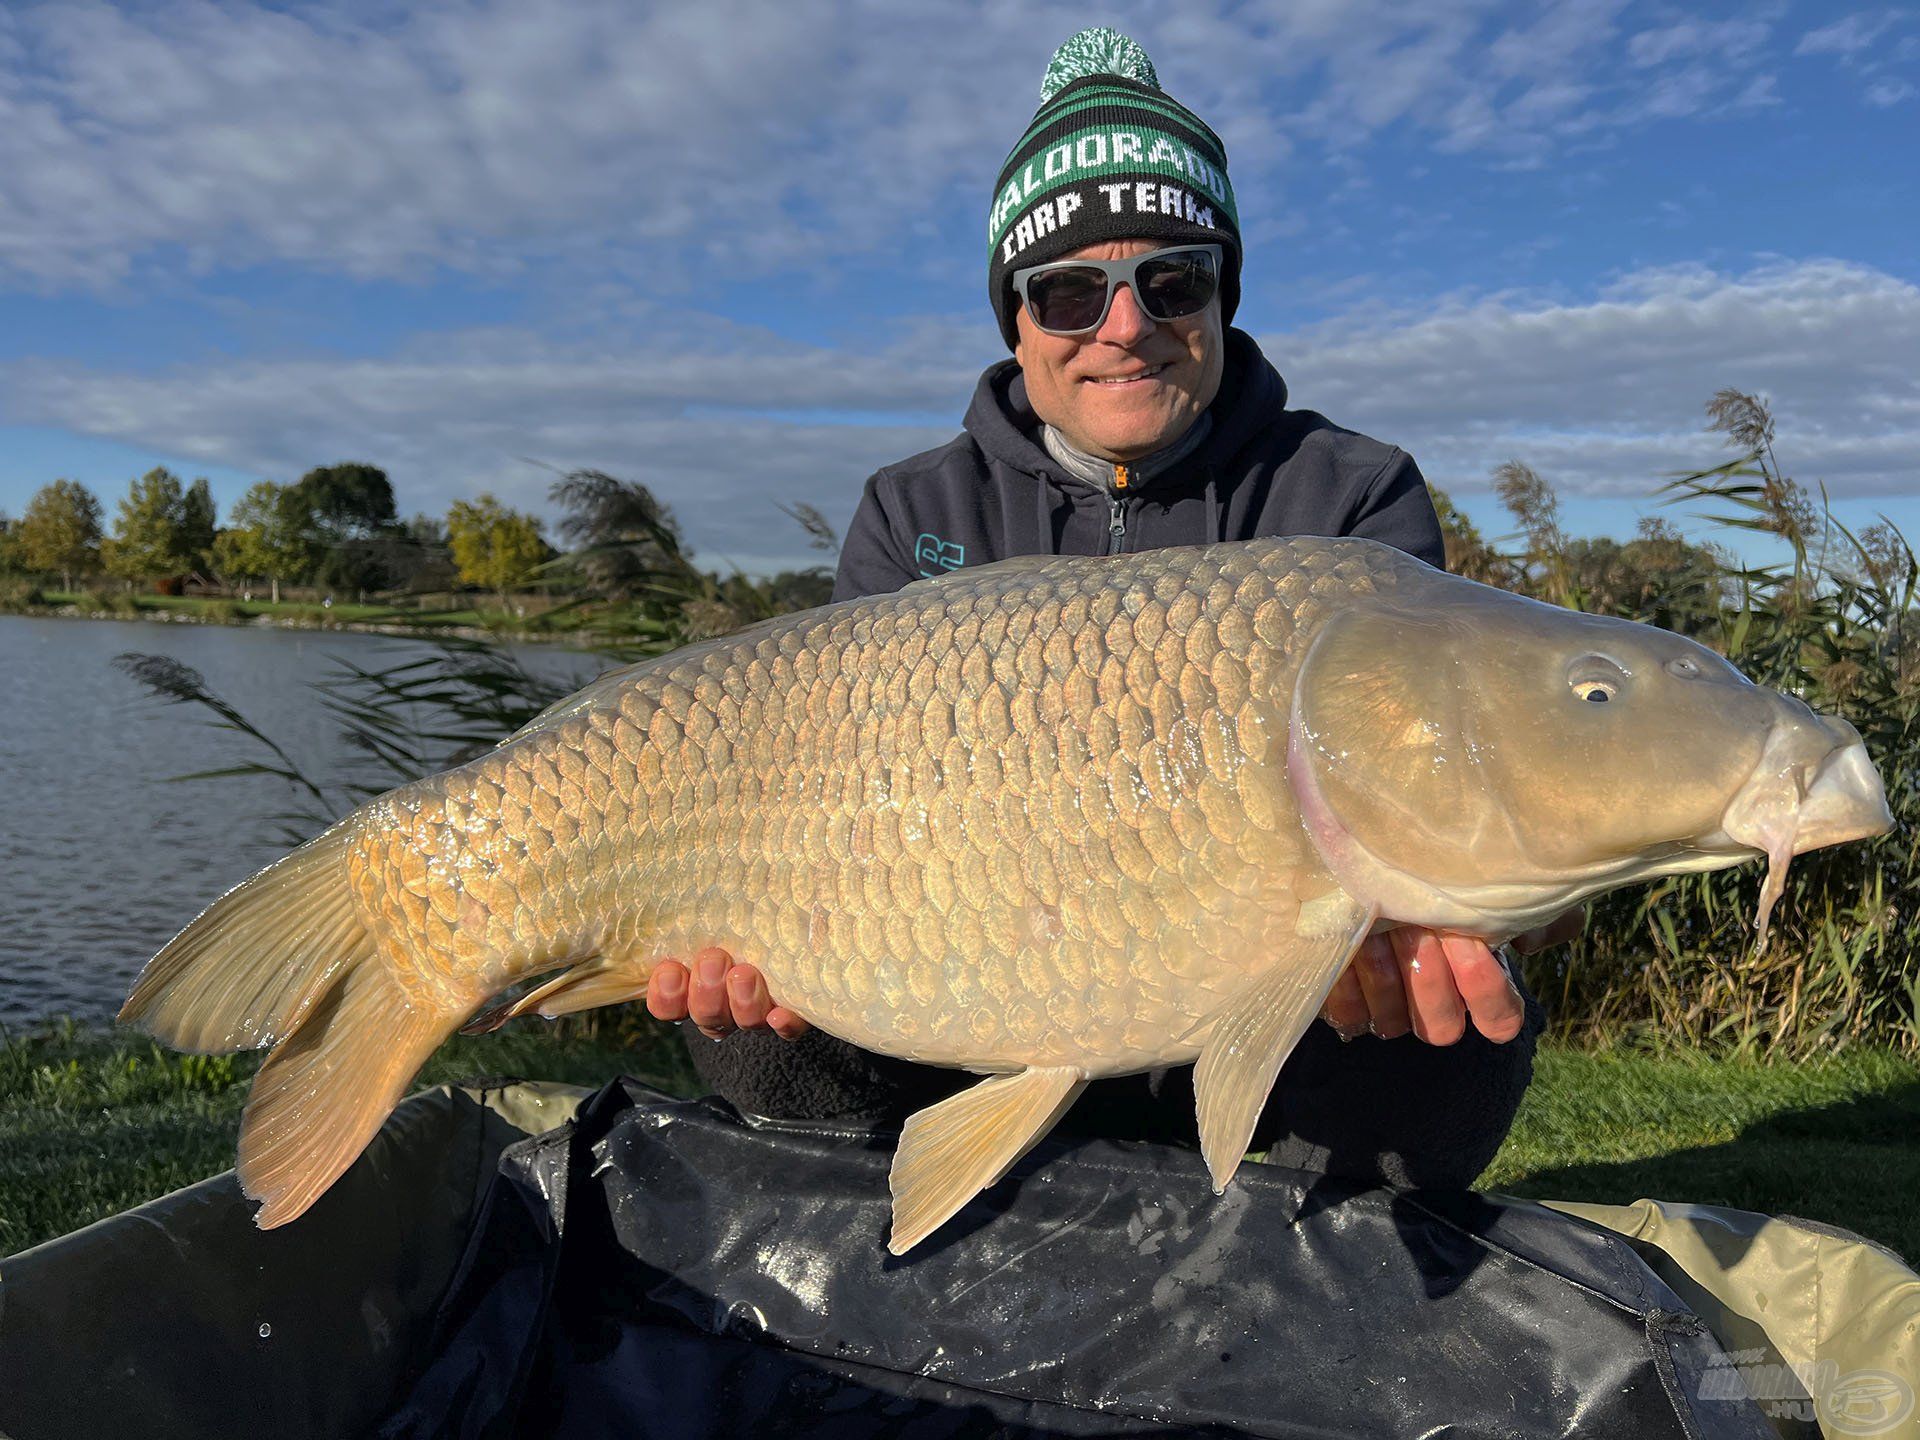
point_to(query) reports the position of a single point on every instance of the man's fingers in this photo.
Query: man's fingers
(1346, 1005)
(1385, 990)
(747, 996)
(707, 1004)
(786, 1024)
(667, 991)
(1482, 983)
(719, 996)
(1433, 1001)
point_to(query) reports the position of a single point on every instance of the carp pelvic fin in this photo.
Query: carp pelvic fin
(1253, 1037)
(952, 1151)
(584, 986)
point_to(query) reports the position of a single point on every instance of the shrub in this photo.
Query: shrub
(17, 593)
(107, 600)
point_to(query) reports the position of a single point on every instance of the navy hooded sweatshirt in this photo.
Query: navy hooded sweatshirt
(1398, 1110)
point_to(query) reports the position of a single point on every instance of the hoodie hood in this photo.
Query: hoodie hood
(1252, 395)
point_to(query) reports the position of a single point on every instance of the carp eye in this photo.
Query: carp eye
(1596, 678)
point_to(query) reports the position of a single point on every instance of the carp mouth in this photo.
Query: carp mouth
(1814, 786)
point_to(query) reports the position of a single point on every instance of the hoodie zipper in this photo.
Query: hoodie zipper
(1116, 512)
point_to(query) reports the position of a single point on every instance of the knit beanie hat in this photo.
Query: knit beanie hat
(1109, 156)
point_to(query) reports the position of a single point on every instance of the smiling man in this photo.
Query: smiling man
(1132, 416)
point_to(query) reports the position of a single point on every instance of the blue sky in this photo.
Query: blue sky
(736, 250)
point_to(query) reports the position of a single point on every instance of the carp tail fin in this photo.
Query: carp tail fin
(249, 969)
(284, 959)
(325, 1091)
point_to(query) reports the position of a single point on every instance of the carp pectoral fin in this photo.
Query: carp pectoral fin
(952, 1151)
(580, 987)
(1253, 1037)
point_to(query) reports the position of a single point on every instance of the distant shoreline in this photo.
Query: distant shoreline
(323, 623)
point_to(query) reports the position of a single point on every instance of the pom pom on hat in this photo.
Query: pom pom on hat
(1097, 50)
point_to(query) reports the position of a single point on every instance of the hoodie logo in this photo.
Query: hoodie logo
(934, 555)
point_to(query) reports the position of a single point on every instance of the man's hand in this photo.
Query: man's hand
(720, 995)
(1419, 980)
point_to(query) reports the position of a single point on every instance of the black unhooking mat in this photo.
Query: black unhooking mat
(660, 1268)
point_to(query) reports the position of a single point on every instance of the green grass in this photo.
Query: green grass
(1833, 1140)
(92, 1123)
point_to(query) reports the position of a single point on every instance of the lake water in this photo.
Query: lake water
(102, 859)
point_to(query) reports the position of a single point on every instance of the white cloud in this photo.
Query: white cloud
(657, 142)
(1731, 39)
(1761, 91)
(1863, 47)
(1847, 36)
(478, 133)
(486, 410)
(1604, 395)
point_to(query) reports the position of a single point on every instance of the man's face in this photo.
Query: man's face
(1168, 373)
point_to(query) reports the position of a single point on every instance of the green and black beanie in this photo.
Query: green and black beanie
(1109, 156)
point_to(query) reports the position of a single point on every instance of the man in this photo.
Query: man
(1132, 417)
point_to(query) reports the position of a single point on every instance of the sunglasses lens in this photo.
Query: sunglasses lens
(1067, 300)
(1182, 283)
(1072, 299)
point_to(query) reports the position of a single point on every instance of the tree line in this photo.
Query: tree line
(336, 528)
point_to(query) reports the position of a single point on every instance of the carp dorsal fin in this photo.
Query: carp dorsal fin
(1014, 567)
(1252, 1038)
(952, 1151)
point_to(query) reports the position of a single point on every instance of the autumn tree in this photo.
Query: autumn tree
(494, 546)
(60, 531)
(270, 536)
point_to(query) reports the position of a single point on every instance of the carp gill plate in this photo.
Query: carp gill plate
(1048, 820)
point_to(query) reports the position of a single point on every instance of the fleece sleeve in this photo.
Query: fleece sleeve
(1397, 510)
(872, 559)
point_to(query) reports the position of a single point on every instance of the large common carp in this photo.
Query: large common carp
(1048, 820)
